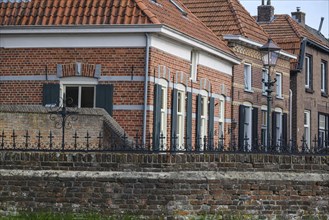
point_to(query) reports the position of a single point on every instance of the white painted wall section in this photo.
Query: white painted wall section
(215, 63)
(73, 41)
(171, 47)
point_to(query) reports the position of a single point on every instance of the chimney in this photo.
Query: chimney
(265, 12)
(299, 16)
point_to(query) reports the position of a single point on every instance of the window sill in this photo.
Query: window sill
(249, 91)
(279, 97)
(323, 94)
(309, 90)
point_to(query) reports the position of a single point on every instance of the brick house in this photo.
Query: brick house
(230, 21)
(152, 65)
(309, 73)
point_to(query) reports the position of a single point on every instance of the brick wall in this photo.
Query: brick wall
(42, 62)
(165, 185)
(311, 100)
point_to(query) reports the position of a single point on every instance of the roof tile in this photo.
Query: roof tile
(227, 17)
(89, 12)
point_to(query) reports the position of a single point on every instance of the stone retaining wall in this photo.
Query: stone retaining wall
(160, 185)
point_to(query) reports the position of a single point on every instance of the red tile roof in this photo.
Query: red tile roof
(110, 12)
(227, 17)
(288, 33)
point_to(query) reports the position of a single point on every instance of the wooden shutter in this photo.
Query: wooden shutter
(104, 97)
(188, 137)
(211, 122)
(198, 122)
(274, 128)
(174, 110)
(241, 126)
(285, 129)
(254, 128)
(157, 116)
(50, 94)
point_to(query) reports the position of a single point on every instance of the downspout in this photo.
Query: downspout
(290, 116)
(146, 79)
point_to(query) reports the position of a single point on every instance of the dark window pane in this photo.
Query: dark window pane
(72, 96)
(87, 97)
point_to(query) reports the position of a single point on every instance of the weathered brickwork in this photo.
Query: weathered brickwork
(312, 100)
(256, 96)
(165, 185)
(217, 79)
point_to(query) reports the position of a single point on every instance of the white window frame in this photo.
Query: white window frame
(181, 91)
(77, 82)
(278, 129)
(323, 129)
(264, 125)
(164, 112)
(278, 77)
(194, 65)
(307, 71)
(221, 116)
(307, 127)
(204, 116)
(265, 79)
(247, 70)
(248, 122)
(323, 77)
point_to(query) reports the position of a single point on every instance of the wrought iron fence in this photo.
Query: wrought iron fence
(42, 141)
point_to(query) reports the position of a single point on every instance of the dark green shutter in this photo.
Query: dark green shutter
(274, 128)
(188, 137)
(241, 126)
(254, 127)
(285, 129)
(157, 116)
(174, 122)
(104, 97)
(211, 123)
(50, 94)
(198, 123)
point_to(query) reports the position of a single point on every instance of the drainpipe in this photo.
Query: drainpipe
(290, 116)
(146, 79)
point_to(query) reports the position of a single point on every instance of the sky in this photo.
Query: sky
(314, 9)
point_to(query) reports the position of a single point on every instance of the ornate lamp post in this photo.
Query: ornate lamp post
(64, 114)
(270, 53)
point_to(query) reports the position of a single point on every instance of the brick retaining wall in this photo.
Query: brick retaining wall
(165, 185)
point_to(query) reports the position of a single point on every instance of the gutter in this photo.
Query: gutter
(252, 43)
(146, 79)
(290, 116)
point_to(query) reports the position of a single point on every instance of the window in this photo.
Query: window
(204, 116)
(221, 117)
(264, 126)
(247, 125)
(265, 79)
(308, 72)
(194, 65)
(180, 117)
(247, 77)
(307, 132)
(278, 129)
(323, 77)
(278, 85)
(323, 130)
(163, 119)
(79, 96)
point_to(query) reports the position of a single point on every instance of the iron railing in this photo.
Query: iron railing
(79, 141)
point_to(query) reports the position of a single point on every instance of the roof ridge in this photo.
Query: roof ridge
(242, 32)
(147, 12)
(290, 21)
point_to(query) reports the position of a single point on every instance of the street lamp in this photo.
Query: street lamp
(270, 53)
